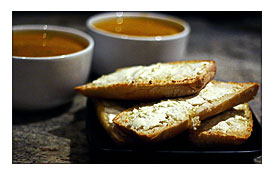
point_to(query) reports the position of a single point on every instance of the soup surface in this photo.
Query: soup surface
(139, 26)
(44, 43)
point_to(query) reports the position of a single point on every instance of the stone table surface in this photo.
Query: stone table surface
(58, 135)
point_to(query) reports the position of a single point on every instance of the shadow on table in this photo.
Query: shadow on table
(75, 131)
(23, 117)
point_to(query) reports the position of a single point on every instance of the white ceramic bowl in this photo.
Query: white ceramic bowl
(114, 51)
(45, 82)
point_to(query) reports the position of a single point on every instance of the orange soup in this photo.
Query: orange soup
(139, 26)
(45, 43)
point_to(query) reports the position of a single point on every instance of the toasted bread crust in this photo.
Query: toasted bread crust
(153, 89)
(160, 135)
(115, 133)
(171, 131)
(243, 97)
(118, 134)
(204, 138)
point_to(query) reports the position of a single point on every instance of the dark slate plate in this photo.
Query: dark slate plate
(176, 150)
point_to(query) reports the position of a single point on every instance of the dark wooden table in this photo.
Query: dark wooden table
(233, 40)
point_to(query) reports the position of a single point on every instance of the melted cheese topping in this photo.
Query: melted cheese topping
(235, 123)
(159, 114)
(111, 117)
(159, 71)
(170, 111)
(214, 92)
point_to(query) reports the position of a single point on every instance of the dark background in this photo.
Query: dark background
(231, 19)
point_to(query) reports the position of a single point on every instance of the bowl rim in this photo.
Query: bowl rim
(74, 31)
(105, 15)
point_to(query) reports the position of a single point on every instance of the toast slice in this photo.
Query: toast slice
(232, 127)
(167, 118)
(157, 81)
(106, 111)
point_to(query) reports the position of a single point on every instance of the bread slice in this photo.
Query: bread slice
(232, 127)
(106, 111)
(167, 118)
(161, 80)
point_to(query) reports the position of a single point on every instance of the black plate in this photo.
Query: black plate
(176, 150)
